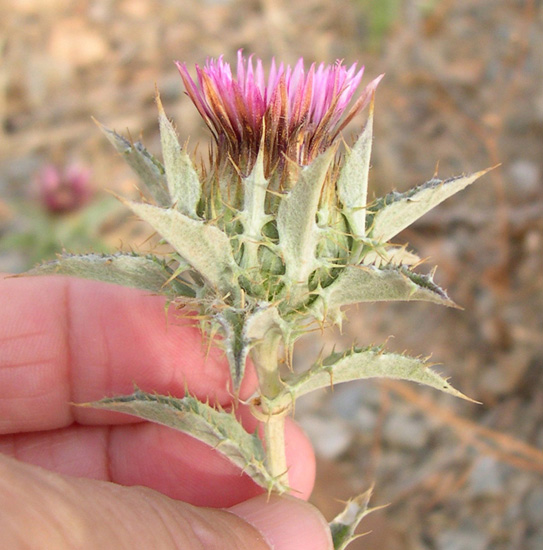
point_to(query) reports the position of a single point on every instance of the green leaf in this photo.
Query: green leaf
(383, 255)
(296, 225)
(147, 167)
(241, 329)
(253, 216)
(352, 184)
(205, 247)
(345, 523)
(397, 211)
(367, 283)
(214, 427)
(358, 364)
(235, 343)
(263, 319)
(145, 272)
(183, 182)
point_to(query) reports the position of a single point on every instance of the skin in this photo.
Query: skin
(74, 477)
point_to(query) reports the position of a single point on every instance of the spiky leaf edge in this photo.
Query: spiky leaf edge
(147, 272)
(362, 363)
(150, 171)
(396, 211)
(215, 427)
(345, 523)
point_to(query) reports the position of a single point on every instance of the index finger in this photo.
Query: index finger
(65, 340)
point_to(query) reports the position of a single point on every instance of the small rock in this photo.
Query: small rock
(137, 9)
(33, 7)
(535, 541)
(462, 539)
(347, 398)
(525, 176)
(500, 379)
(486, 478)
(76, 43)
(330, 437)
(406, 431)
(310, 404)
(534, 507)
(365, 419)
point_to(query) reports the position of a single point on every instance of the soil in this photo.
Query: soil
(463, 91)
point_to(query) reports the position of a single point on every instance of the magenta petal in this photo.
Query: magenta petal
(304, 110)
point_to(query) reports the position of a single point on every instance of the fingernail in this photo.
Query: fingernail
(287, 523)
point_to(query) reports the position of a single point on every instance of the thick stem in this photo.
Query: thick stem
(265, 356)
(274, 438)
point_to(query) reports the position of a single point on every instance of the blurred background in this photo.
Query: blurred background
(463, 91)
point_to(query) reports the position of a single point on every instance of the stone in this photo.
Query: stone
(486, 478)
(525, 176)
(330, 437)
(409, 432)
(462, 539)
(534, 507)
(77, 44)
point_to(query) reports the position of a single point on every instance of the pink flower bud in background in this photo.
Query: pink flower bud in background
(62, 190)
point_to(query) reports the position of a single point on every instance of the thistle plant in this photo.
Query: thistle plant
(55, 212)
(62, 191)
(271, 236)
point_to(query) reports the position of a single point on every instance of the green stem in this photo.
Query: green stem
(274, 438)
(265, 356)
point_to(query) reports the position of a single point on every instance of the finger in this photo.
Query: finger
(97, 453)
(157, 457)
(68, 340)
(46, 510)
(286, 523)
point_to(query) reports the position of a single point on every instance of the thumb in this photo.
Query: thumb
(286, 523)
(42, 509)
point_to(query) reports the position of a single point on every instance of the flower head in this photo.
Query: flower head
(64, 190)
(294, 113)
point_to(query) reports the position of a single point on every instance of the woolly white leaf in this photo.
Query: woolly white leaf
(352, 184)
(397, 211)
(205, 247)
(253, 216)
(241, 328)
(147, 167)
(366, 283)
(298, 231)
(358, 364)
(183, 182)
(235, 343)
(144, 272)
(345, 523)
(217, 428)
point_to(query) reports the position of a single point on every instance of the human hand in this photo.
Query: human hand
(65, 341)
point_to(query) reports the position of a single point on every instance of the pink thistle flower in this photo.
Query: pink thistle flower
(64, 190)
(294, 114)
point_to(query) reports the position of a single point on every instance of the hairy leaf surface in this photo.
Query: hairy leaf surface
(145, 272)
(358, 364)
(217, 428)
